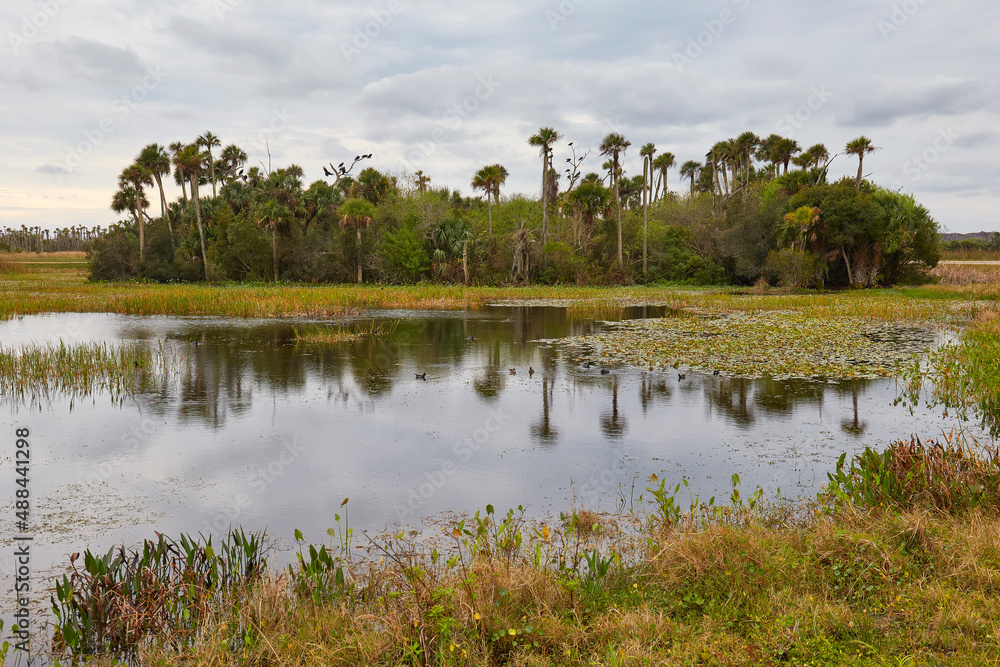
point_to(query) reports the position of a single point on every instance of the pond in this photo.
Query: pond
(257, 430)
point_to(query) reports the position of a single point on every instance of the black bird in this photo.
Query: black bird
(681, 376)
(338, 166)
(587, 365)
(604, 371)
(715, 372)
(327, 171)
(357, 157)
(421, 376)
(240, 172)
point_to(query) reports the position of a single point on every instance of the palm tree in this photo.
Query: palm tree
(819, 155)
(785, 149)
(233, 157)
(543, 140)
(860, 147)
(614, 146)
(209, 141)
(690, 169)
(489, 179)
(745, 146)
(273, 213)
(191, 162)
(155, 159)
(137, 176)
(179, 177)
(127, 198)
(421, 181)
(357, 212)
(661, 164)
(647, 152)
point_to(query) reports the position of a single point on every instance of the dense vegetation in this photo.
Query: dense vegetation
(744, 217)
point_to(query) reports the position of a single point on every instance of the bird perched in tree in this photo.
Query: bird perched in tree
(326, 171)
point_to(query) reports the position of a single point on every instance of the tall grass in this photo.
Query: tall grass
(79, 369)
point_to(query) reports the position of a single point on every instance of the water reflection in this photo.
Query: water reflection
(377, 433)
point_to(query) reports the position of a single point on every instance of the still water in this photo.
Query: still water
(258, 431)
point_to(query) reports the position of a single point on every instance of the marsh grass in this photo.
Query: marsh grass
(56, 284)
(342, 334)
(852, 581)
(50, 369)
(966, 274)
(962, 376)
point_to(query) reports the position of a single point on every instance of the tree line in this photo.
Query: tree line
(36, 239)
(754, 209)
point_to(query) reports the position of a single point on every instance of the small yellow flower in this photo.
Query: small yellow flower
(476, 616)
(453, 648)
(511, 632)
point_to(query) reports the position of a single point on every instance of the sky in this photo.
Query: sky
(447, 87)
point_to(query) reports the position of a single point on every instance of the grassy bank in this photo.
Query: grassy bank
(899, 564)
(57, 283)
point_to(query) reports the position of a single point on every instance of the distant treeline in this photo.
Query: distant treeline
(36, 239)
(743, 217)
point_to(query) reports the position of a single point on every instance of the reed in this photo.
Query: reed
(80, 369)
(342, 334)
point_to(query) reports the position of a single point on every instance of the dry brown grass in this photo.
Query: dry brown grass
(966, 274)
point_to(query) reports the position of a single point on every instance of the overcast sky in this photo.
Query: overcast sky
(447, 86)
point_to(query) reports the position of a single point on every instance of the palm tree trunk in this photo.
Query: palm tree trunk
(489, 212)
(163, 209)
(545, 199)
(359, 255)
(847, 263)
(274, 247)
(645, 215)
(465, 260)
(142, 231)
(618, 210)
(201, 229)
(861, 167)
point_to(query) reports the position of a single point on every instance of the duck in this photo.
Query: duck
(531, 371)
(587, 365)
(681, 376)
(513, 371)
(421, 376)
(715, 372)
(604, 371)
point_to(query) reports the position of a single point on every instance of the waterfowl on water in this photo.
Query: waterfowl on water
(715, 372)
(531, 371)
(421, 376)
(587, 365)
(513, 371)
(604, 371)
(681, 376)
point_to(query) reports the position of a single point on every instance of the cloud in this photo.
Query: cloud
(882, 102)
(52, 170)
